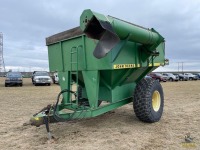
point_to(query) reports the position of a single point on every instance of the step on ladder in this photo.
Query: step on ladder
(74, 70)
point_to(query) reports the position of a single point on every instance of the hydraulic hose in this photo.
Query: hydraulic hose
(56, 116)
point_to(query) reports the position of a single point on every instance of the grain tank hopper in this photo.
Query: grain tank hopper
(101, 66)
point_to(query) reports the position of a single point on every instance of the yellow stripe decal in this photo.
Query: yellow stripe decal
(155, 64)
(138, 65)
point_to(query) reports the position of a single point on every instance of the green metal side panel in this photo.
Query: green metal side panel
(60, 57)
(118, 93)
(123, 92)
(72, 48)
(92, 62)
(91, 79)
(55, 57)
(64, 81)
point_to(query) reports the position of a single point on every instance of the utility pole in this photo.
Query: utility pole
(178, 66)
(182, 67)
(2, 65)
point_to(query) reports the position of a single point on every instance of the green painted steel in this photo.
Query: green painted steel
(122, 28)
(112, 77)
(79, 114)
(98, 26)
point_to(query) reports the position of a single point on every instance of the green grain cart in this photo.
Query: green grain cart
(105, 60)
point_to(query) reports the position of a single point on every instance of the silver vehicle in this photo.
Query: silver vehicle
(171, 77)
(13, 78)
(198, 75)
(41, 77)
(182, 77)
(191, 76)
(55, 78)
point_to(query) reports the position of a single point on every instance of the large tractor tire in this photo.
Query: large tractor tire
(148, 100)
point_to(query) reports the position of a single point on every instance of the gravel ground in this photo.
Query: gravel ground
(117, 130)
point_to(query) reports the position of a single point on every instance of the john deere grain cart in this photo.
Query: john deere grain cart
(105, 60)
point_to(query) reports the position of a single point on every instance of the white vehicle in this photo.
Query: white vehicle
(191, 76)
(55, 78)
(171, 77)
(41, 77)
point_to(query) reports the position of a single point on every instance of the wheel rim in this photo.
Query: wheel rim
(156, 101)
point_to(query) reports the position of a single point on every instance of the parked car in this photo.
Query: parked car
(41, 77)
(55, 78)
(171, 77)
(32, 77)
(182, 77)
(177, 77)
(198, 75)
(147, 76)
(13, 78)
(191, 76)
(158, 76)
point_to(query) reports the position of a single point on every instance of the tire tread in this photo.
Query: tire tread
(142, 100)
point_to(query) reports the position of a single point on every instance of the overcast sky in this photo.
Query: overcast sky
(26, 23)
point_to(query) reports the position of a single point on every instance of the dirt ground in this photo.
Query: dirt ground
(116, 130)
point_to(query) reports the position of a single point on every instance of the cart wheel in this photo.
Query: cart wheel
(148, 101)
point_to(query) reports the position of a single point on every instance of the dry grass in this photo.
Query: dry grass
(117, 130)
